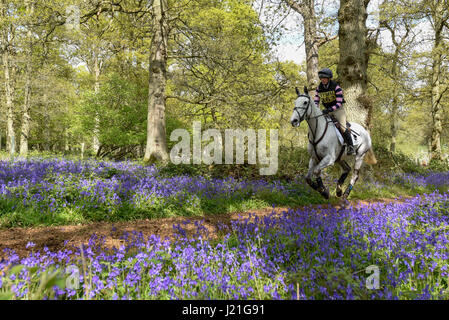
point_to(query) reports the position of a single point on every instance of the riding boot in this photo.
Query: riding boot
(348, 139)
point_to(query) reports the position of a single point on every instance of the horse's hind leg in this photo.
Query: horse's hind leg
(355, 175)
(346, 169)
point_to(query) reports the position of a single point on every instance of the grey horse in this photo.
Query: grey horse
(326, 148)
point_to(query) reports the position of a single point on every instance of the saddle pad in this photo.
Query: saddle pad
(355, 140)
(340, 137)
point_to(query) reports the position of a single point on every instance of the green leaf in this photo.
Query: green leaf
(33, 270)
(6, 295)
(16, 269)
(54, 279)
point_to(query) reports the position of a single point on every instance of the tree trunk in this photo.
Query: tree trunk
(10, 138)
(306, 9)
(82, 150)
(96, 142)
(394, 125)
(394, 106)
(47, 123)
(352, 66)
(66, 141)
(27, 90)
(402, 44)
(311, 44)
(156, 148)
(437, 52)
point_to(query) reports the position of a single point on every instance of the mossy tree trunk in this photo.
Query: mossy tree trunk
(156, 148)
(440, 17)
(352, 66)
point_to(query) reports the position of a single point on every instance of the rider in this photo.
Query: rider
(331, 94)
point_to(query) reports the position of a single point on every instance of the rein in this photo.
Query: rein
(313, 142)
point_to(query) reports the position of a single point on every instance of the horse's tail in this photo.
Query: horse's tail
(370, 158)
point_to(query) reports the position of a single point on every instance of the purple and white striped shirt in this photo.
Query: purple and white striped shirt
(331, 98)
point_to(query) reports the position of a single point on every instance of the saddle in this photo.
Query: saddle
(337, 124)
(342, 130)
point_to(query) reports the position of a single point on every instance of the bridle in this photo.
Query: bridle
(306, 109)
(302, 108)
(312, 142)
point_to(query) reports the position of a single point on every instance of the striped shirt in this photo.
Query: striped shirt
(331, 98)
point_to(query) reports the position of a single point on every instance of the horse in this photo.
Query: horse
(326, 147)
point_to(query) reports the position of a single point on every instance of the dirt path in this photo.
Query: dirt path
(60, 237)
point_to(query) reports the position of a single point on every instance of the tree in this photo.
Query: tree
(354, 54)
(400, 23)
(220, 71)
(156, 148)
(122, 105)
(92, 39)
(438, 15)
(8, 30)
(312, 39)
(28, 43)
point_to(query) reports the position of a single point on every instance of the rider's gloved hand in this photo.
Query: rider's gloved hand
(326, 111)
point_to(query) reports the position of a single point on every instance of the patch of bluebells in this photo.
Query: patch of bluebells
(434, 179)
(51, 185)
(322, 251)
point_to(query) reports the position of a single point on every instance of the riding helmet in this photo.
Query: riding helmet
(325, 73)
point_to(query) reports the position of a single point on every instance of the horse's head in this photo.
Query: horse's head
(302, 107)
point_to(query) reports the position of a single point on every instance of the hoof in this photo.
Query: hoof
(347, 192)
(312, 184)
(325, 193)
(339, 192)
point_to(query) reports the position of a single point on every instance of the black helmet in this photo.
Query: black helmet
(325, 73)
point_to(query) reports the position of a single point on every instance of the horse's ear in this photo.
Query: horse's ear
(297, 91)
(305, 90)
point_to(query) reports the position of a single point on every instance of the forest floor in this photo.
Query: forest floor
(66, 237)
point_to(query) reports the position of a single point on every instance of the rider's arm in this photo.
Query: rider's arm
(317, 98)
(339, 95)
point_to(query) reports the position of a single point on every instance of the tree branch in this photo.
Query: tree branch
(205, 102)
(296, 6)
(326, 40)
(441, 95)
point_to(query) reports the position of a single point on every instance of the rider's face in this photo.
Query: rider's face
(324, 80)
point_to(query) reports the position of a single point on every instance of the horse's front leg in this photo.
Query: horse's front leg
(310, 182)
(324, 163)
(321, 188)
(346, 169)
(355, 175)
